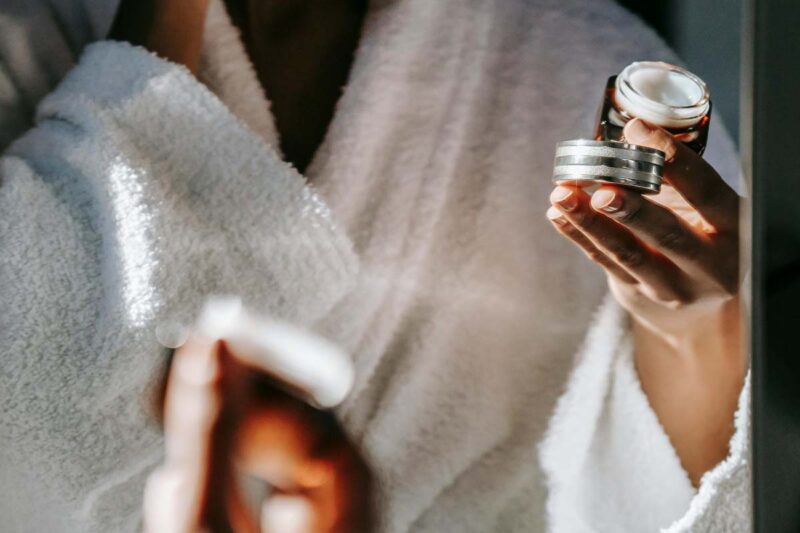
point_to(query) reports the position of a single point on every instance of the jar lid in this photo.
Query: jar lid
(618, 163)
(305, 364)
(663, 94)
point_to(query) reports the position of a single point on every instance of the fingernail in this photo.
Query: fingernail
(564, 197)
(637, 128)
(555, 216)
(607, 201)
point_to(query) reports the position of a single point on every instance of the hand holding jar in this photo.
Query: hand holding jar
(672, 261)
(669, 257)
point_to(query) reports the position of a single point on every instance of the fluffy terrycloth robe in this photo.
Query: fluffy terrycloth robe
(416, 240)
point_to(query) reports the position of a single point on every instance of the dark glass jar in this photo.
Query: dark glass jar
(662, 94)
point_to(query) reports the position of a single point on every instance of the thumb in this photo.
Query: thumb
(691, 175)
(637, 131)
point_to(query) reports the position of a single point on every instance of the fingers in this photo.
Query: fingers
(175, 493)
(192, 402)
(222, 417)
(572, 233)
(301, 451)
(665, 231)
(344, 503)
(655, 225)
(690, 174)
(658, 274)
(277, 438)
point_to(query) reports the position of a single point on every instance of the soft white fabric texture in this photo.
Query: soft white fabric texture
(463, 317)
(603, 422)
(136, 195)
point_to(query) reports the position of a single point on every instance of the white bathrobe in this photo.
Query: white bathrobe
(417, 241)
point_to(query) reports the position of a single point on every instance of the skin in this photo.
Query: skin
(171, 28)
(672, 262)
(223, 418)
(302, 52)
(284, 41)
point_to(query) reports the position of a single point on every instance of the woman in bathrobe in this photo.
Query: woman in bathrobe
(497, 389)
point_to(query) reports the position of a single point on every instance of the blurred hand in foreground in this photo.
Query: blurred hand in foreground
(223, 419)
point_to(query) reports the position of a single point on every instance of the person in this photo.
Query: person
(401, 217)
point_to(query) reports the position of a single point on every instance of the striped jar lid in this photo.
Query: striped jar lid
(619, 163)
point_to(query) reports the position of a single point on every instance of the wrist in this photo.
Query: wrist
(703, 328)
(692, 379)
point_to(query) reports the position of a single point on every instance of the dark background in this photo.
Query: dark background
(706, 34)
(773, 40)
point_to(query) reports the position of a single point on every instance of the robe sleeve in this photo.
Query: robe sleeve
(40, 41)
(610, 465)
(135, 196)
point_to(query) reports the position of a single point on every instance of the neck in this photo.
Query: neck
(302, 51)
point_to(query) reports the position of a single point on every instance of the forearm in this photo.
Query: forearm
(693, 382)
(172, 29)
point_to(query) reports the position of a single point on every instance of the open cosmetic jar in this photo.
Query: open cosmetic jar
(662, 94)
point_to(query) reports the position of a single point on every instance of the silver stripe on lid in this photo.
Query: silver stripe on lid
(629, 165)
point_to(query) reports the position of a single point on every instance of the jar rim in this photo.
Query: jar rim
(661, 113)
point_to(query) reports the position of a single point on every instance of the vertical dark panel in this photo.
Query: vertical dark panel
(774, 45)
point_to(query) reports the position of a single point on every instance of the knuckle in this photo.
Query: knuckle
(676, 304)
(631, 213)
(582, 217)
(685, 297)
(730, 294)
(730, 283)
(596, 256)
(672, 305)
(673, 238)
(680, 299)
(568, 229)
(670, 148)
(630, 257)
